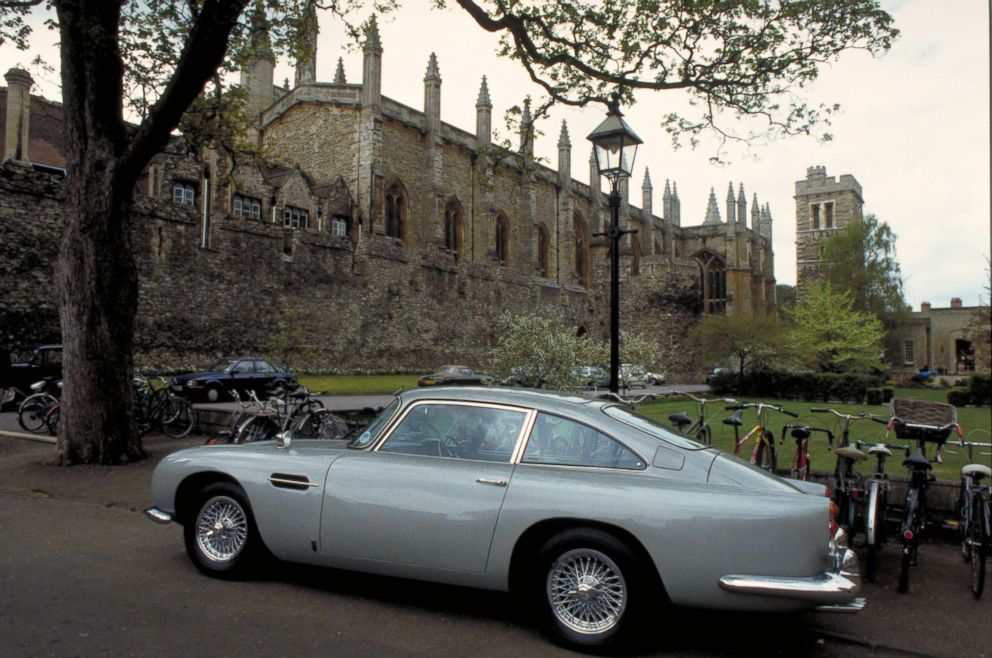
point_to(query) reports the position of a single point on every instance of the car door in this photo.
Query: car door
(263, 375)
(241, 375)
(430, 494)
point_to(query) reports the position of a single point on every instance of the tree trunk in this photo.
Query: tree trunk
(95, 273)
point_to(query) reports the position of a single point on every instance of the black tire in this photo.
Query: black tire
(31, 413)
(213, 393)
(907, 558)
(320, 424)
(52, 419)
(612, 600)
(256, 428)
(220, 534)
(178, 418)
(980, 545)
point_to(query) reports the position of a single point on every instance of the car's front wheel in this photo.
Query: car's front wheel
(221, 537)
(213, 393)
(590, 584)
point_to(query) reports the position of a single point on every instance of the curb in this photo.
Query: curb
(39, 438)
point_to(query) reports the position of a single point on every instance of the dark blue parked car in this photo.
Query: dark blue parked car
(240, 374)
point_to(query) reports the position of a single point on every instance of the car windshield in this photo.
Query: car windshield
(651, 427)
(365, 438)
(221, 366)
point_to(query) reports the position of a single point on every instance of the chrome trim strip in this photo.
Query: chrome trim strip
(828, 588)
(292, 483)
(496, 483)
(870, 521)
(518, 450)
(157, 515)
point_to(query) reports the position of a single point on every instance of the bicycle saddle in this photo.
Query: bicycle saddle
(680, 420)
(977, 471)
(850, 452)
(298, 394)
(880, 449)
(801, 432)
(734, 419)
(917, 460)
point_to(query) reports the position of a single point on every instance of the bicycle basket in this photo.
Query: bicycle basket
(922, 419)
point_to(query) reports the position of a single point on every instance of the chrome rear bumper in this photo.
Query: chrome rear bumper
(833, 590)
(157, 515)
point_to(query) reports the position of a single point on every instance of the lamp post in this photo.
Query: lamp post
(615, 146)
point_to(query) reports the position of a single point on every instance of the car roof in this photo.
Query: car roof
(542, 400)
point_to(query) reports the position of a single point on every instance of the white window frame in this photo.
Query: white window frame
(246, 207)
(909, 352)
(339, 227)
(295, 218)
(183, 193)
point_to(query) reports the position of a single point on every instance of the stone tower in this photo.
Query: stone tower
(824, 206)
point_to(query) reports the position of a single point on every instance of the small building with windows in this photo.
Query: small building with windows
(940, 339)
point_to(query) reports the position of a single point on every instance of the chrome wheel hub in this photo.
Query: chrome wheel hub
(586, 591)
(221, 529)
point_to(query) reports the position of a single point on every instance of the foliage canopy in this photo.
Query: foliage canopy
(832, 334)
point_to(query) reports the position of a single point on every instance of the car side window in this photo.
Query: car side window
(243, 367)
(262, 367)
(557, 440)
(457, 431)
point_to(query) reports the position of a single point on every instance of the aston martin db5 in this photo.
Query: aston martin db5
(585, 508)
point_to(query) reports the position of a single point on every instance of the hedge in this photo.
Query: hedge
(978, 393)
(807, 386)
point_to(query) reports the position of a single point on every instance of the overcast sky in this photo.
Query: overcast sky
(914, 131)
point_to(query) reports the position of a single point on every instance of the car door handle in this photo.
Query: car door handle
(495, 483)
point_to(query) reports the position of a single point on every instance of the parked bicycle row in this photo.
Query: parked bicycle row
(862, 502)
(153, 408)
(293, 410)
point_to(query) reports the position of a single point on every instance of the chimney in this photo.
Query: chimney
(955, 302)
(18, 116)
(925, 307)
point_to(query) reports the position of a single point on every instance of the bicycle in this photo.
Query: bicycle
(923, 422)
(33, 409)
(848, 486)
(877, 505)
(698, 429)
(163, 408)
(973, 503)
(801, 458)
(764, 439)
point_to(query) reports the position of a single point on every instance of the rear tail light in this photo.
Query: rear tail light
(908, 535)
(833, 518)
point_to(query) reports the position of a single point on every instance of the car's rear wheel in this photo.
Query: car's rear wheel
(220, 536)
(590, 586)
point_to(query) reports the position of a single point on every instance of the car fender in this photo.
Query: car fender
(694, 532)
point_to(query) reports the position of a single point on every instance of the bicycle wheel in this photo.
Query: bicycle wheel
(177, 418)
(31, 413)
(904, 569)
(321, 424)
(257, 428)
(703, 435)
(874, 520)
(964, 525)
(979, 544)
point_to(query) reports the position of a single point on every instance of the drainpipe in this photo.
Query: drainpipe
(205, 229)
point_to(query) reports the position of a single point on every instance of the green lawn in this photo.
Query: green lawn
(358, 384)
(821, 459)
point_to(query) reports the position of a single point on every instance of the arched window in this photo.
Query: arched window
(502, 240)
(714, 280)
(453, 229)
(543, 251)
(395, 212)
(581, 264)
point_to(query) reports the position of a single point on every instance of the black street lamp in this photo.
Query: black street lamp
(615, 146)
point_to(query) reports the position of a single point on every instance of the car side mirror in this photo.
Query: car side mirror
(283, 439)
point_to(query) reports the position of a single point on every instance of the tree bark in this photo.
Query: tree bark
(95, 273)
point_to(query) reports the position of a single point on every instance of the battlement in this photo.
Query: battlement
(817, 182)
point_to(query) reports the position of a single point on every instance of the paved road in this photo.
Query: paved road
(83, 573)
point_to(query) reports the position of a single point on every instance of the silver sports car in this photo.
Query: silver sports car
(594, 512)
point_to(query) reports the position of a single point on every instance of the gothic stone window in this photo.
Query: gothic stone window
(582, 269)
(814, 212)
(183, 193)
(395, 212)
(246, 207)
(714, 280)
(453, 229)
(293, 217)
(502, 240)
(828, 214)
(543, 249)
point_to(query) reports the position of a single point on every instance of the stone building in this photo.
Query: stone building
(824, 206)
(941, 339)
(378, 237)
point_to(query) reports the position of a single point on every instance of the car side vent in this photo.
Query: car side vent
(290, 481)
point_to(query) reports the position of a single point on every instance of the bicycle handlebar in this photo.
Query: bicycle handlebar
(860, 416)
(759, 406)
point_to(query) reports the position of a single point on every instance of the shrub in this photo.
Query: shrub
(874, 396)
(980, 389)
(959, 397)
(809, 386)
(887, 394)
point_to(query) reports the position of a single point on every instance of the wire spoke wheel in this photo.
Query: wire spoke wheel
(979, 541)
(31, 414)
(178, 418)
(221, 529)
(586, 591)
